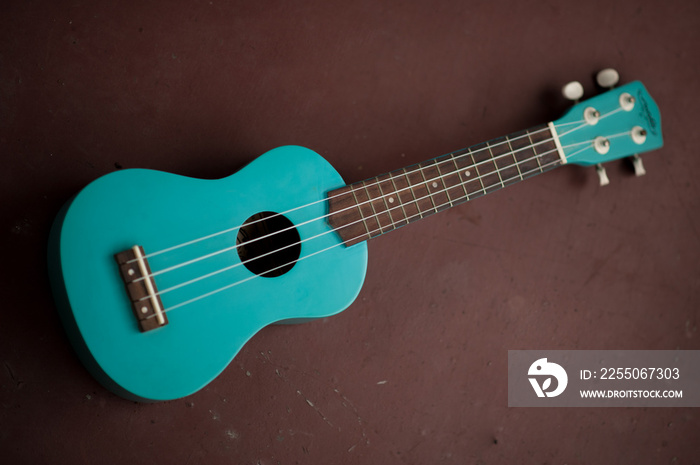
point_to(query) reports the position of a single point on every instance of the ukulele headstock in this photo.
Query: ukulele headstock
(621, 122)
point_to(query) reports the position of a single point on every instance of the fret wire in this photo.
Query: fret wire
(386, 204)
(478, 174)
(413, 194)
(495, 165)
(447, 192)
(398, 198)
(545, 157)
(371, 204)
(427, 187)
(537, 157)
(459, 173)
(512, 153)
(357, 202)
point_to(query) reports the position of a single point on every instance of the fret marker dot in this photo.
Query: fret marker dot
(144, 309)
(391, 200)
(467, 173)
(131, 272)
(435, 185)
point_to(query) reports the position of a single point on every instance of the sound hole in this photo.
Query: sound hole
(268, 244)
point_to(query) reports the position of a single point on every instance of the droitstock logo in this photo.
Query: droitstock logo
(544, 370)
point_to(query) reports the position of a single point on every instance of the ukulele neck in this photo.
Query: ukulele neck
(375, 206)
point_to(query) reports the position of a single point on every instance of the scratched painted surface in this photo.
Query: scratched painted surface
(415, 370)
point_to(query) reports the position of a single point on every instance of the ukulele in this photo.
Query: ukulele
(160, 279)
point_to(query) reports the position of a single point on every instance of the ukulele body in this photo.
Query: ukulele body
(215, 298)
(219, 311)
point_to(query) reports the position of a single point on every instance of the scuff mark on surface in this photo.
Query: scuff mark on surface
(18, 382)
(311, 404)
(599, 264)
(346, 402)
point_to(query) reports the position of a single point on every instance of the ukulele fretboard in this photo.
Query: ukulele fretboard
(368, 208)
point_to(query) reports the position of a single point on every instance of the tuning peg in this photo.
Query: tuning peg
(602, 175)
(572, 91)
(638, 166)
(607, 78)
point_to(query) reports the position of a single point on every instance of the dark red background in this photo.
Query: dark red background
(415, 370)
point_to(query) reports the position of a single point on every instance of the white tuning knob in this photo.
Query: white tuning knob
(607, 78)
(638, 166)
(572, 91)
(602, 175)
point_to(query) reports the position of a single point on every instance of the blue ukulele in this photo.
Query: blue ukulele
(160, 279)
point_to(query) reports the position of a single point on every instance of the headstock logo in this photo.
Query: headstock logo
(645, 113)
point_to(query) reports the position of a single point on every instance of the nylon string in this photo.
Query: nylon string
(383, 196)
(352, 191)
(221, 289)
(391, 178)
(393, 223)
(194, 241)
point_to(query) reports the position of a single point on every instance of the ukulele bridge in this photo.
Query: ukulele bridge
(141, 288)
